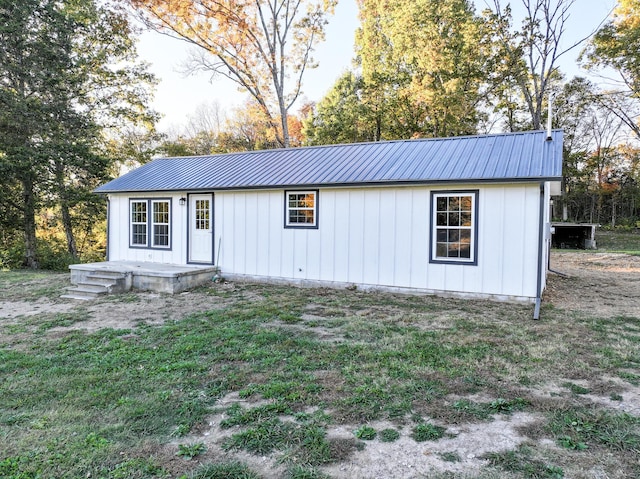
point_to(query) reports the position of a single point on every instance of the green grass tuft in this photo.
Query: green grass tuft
(521, 461)
(450, 456)
(305, 472)
(389, 435)
(366, 433)
(189, 451)
(224, 470)
(576, 389)
(427, 432)
(581, 428)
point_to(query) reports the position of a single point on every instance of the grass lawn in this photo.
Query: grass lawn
(278, 368)
(617, 242)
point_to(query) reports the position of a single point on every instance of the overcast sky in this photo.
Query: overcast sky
(178, 96)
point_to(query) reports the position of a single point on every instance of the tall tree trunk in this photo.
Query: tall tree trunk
(285, 127)
(613, 210)
(30, 254)
(68, 229)
(64, 208)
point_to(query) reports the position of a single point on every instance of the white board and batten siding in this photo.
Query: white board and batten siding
(380, 237)
(370, 237)
(119, 239)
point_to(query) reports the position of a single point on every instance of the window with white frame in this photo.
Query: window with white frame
(202, 215)
(454, 227)
(160, 223)
(301, 209)
(150, 223)
(138, 223)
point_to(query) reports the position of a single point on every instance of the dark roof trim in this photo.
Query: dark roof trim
(371, 184)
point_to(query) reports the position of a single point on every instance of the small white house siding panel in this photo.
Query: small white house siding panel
(531, 237)
(491, 256)
(380, 236)
(342, 215)
(386, 239)
(119, 248)
(520, 240)
(508, 217)
(508, 239)
(355, 239)
(365, 236)
(405, 235)
(370, 235)
(263, 235)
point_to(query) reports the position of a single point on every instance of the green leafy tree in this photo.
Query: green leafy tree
(342, 116)
(617, 46)
(30, 95)
(66, 81)
(425, 65)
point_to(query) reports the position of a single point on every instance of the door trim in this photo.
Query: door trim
(189, 229)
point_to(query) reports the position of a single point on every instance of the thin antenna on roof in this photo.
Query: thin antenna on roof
(549, 115)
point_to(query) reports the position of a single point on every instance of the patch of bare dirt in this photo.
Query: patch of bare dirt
(148, 308)
(625, 400)
(602, 284)
(13, 309)
(406, 458)
(116, 312)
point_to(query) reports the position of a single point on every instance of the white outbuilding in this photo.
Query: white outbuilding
(465, 216)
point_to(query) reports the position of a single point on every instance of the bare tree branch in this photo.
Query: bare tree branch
(258, 44)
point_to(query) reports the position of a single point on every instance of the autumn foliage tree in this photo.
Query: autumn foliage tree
(263, 46)
(211, 130)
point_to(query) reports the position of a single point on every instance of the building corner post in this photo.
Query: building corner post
(541, 262)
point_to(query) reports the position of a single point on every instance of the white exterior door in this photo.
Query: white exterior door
(201, 229)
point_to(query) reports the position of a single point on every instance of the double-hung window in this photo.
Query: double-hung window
(301, 209)
(138, 222)
(454, 228)
(150, 223)
(160, 224)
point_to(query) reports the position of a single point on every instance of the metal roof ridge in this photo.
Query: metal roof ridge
(362, 143)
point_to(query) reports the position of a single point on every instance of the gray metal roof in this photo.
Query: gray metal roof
(509, 157)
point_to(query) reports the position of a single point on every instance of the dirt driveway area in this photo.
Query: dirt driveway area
(603, 284)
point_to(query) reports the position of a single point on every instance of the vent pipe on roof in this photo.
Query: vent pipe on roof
(549, 117)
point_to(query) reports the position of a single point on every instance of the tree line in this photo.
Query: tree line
(74, 97)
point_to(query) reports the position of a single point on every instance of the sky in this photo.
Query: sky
(178, 96)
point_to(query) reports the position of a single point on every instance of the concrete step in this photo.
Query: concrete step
(103, 282)
(114, 282)
(96, 284)
(80, 294)
(90, 288)
(85, 292)
(113, 275)
(78, 297)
